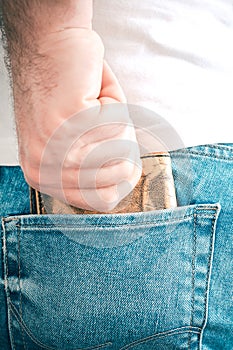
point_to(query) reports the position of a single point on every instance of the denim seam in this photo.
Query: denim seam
(31, 336)
(190, 330)
(194, 250)
(207, 216)
(211, 253)
(20, 291)
(82, 229)
(207, 208)
(146, 224)
(219, 147)
(213, 146)
(204, 147)
(6, 271)
(203, 155)
(161, 220)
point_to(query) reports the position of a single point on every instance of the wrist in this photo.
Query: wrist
(25, 23)
(78, 14)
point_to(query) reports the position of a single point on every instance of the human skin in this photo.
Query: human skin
(59, 71)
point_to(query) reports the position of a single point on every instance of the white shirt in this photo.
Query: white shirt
(174, 57)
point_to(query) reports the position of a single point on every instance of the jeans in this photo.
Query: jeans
(140, 281)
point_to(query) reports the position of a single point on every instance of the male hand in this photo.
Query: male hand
(76, 139)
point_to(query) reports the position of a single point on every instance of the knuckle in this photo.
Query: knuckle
(32, 180)
(108, 198)
(31, 174)
(125, 170)
(128, 168)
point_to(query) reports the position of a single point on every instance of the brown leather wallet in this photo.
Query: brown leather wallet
(155, 190)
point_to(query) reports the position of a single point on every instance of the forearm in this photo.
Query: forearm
(28, 25)
(59, 72)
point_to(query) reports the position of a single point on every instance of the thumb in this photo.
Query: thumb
(111, 90)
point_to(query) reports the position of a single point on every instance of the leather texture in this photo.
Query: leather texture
(154, 191)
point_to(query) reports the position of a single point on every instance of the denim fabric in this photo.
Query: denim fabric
(155, 280)
(14, 194)
(212, 181)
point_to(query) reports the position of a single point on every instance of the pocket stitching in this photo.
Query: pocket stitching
(31, 336)
(181, 330)
(11, 307)
(146, 224)
(213, 217)
(159, 222)
(194, 250)
(20, 291)
(204, 155)
(6, 272)
(209, 268)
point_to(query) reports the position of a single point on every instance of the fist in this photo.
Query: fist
(76, 139)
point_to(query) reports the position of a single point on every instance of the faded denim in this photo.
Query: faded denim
(155, 280)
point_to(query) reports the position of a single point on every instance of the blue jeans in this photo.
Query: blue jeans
(155, 280)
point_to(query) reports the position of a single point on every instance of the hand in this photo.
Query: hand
(76, 140)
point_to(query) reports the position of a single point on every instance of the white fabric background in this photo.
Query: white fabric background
(174, 57)
(8, 144)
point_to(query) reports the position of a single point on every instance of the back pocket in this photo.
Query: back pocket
(117, 281)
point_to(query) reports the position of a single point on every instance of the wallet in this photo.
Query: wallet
(154, 191)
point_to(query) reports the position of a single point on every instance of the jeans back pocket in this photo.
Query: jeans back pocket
(120, 281)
